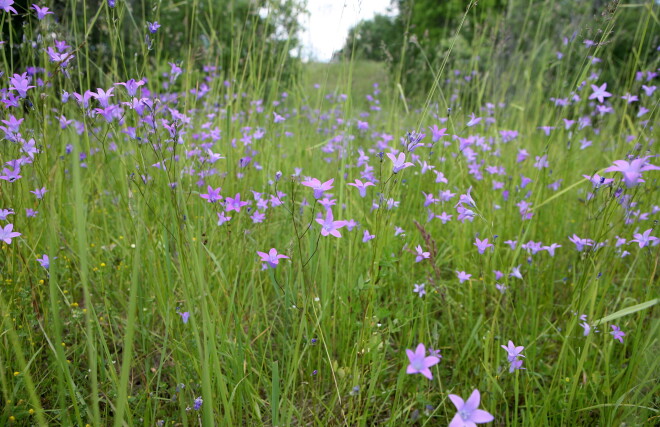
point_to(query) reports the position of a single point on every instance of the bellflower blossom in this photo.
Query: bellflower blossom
(632, 171)
(617, 333)
(399, 162)
(361, 186)
(421, 255)
(468, 414)
(272, 258)
(7, 233)
(42, 12)
(318, 186)
(329, 226)
(420, 363)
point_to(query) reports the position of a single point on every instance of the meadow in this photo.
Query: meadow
(187, 244)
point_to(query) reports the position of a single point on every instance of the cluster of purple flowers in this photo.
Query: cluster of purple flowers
(514, 353)
(467, 412)
(191, 144)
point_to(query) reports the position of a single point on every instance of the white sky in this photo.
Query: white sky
(328, 22)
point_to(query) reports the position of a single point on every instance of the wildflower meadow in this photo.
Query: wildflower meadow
(198, 227)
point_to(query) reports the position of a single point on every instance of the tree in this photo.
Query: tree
(377, 39)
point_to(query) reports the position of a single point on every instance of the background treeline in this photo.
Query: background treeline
(415, 40)
(112, 40)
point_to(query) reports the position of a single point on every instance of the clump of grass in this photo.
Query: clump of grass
(160, 301)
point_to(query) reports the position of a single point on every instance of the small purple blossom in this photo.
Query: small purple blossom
(42, 12)
(20, 82)
(4, 213)
(473, 120)
(213, 195)
(513, 354)
(617, 333)
(7, 233)
(482, 245)
(420, 363)
(632, 171)
(6, 6)
(318, 186)
(399, 162)
(419, 289)
(272, 258)
(366, 236)
(599, 93)
(645, 238)
(515, 272)
(463, 276)
(580, 243)
(153, 27)
(234, 203)
(329, 226)
(421, 255)
(44, 261)
(277, 118)
(551, 249)
(468, 414)
(39, 192)
(222, 218)
(361, 186)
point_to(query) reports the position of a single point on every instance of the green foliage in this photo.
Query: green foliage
(426, 32)
(253, 36)
(377, 39)
(99, 339)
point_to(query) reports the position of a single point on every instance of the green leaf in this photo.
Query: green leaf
(628, 310)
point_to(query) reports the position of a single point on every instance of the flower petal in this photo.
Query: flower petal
(457, 421)
(472, 402)
(427, 373)
(430, 361)
(457, 401)
(481, 416)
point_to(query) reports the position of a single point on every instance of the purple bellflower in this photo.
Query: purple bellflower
(420, 363)
(399, 162)
(7, 233)
(329, 226)
(468, 414)
(272, 258)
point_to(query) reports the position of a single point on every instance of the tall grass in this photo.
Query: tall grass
(99, 338)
